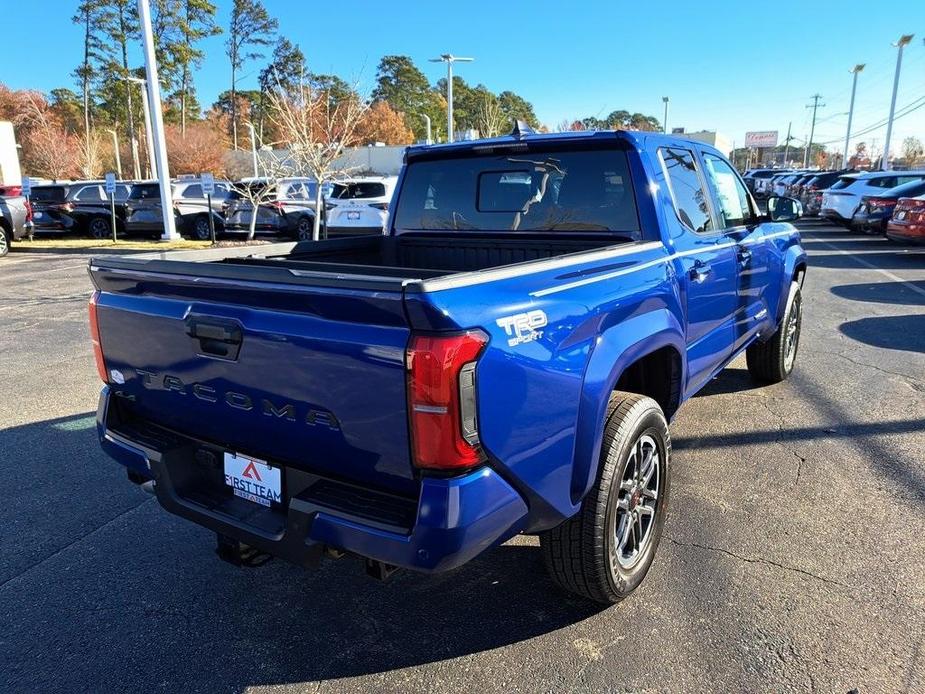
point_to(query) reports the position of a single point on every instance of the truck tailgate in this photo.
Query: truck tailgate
(310, 376)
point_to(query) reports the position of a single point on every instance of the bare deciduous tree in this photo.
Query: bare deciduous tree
(91, 153)
(263, 189)
(316, 127)
(50, 150)
(490, 119)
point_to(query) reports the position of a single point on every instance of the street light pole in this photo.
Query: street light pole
(250, 126)
(429, 139)
(854, 86)
(157, 121)
(902, 43)
(149, 136)
(115, 149)
(449, 59)
(665, 122)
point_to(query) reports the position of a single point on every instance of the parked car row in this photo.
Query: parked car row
(15, 217)
(354, 206)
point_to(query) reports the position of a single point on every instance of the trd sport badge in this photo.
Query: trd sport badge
(523, 327)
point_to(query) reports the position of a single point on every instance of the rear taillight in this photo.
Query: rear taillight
(29, 213)
(65, 207)
(276, 205)
(442, 400)
(95, 337)
(879, 204)
(379, 205)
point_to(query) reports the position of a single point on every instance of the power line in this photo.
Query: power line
(914, 105)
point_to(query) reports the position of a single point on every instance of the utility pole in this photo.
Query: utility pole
(854, 86)
(812, 129)
(902, 43)
(449, 59)
(665, 122)
(787, 144)
(157, 122)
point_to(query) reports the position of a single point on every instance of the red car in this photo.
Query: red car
(908, 221)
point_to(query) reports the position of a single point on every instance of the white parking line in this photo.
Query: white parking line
(886, 273)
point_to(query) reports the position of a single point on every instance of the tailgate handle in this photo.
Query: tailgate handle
(216, 338)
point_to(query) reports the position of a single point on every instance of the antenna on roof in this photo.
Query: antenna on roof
(521, 128)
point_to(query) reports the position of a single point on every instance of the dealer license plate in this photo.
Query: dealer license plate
(253, 479)
(353, 215)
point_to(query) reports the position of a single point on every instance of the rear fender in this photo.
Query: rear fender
(615, 350)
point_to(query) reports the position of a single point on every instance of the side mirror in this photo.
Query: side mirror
(781, 209)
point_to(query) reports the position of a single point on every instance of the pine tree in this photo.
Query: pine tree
(197, 22)
(251, 27)
(285, 71)
(88, 15)
(119, 24)
(405, 87)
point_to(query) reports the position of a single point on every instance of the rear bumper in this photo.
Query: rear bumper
(452, 521)
(906, 233)
(354, 231)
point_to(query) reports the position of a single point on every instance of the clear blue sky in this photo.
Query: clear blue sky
(727, 66)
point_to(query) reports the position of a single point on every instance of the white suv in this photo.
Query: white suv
(359, 206)
(842, 199)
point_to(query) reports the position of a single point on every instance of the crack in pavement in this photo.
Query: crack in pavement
(759, 560)
(869, 366)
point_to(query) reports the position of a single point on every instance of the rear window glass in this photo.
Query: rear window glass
(48, 194)
(687, 193)
(145, 191)
(353, 191)
(523, 191)
(90, 194)
(843, 182)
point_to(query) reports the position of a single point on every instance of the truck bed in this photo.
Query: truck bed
(363, 262)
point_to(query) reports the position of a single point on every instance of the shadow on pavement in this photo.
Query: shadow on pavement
(881, 292)
(886, 260)
(89, 543)
(729, 381)
(906, 333)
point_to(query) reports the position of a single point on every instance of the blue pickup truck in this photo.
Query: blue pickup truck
(504, 360)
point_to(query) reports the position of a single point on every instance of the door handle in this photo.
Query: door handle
(699, 272)
(745, 256)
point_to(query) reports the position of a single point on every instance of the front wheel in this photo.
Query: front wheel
(99, 228)
(772, 361)
(605, 550)
(4, 241)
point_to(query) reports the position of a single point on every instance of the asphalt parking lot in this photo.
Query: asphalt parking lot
(794, 555)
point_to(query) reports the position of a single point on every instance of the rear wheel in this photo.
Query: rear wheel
(201, 229)
(605, 550)
(99, 228)
(772, 361)
(4, 241)
(305, 229)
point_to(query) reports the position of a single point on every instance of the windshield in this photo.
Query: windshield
(529, 191)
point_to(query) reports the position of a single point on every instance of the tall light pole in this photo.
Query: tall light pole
(115, 149)
(429, 139)
(157, 121)
(665, 122)
(250, 126)
(902, 43)
(449, 59)
(149, 133)
(854, 86)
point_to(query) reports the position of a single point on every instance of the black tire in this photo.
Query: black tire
(305, 228)
(5, 238)
(201, 231)
(583, 555)
(99, 228)
(772, 361)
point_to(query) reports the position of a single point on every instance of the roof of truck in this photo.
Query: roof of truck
(638, 138)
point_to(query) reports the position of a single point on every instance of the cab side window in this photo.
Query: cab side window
(686, 187)
(734, 205)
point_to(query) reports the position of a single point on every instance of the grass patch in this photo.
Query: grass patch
(128, 244)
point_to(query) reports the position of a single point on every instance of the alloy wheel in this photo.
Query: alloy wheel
(637, 503)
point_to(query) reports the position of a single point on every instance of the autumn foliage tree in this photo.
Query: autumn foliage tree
(382, 123)
(202, 149)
